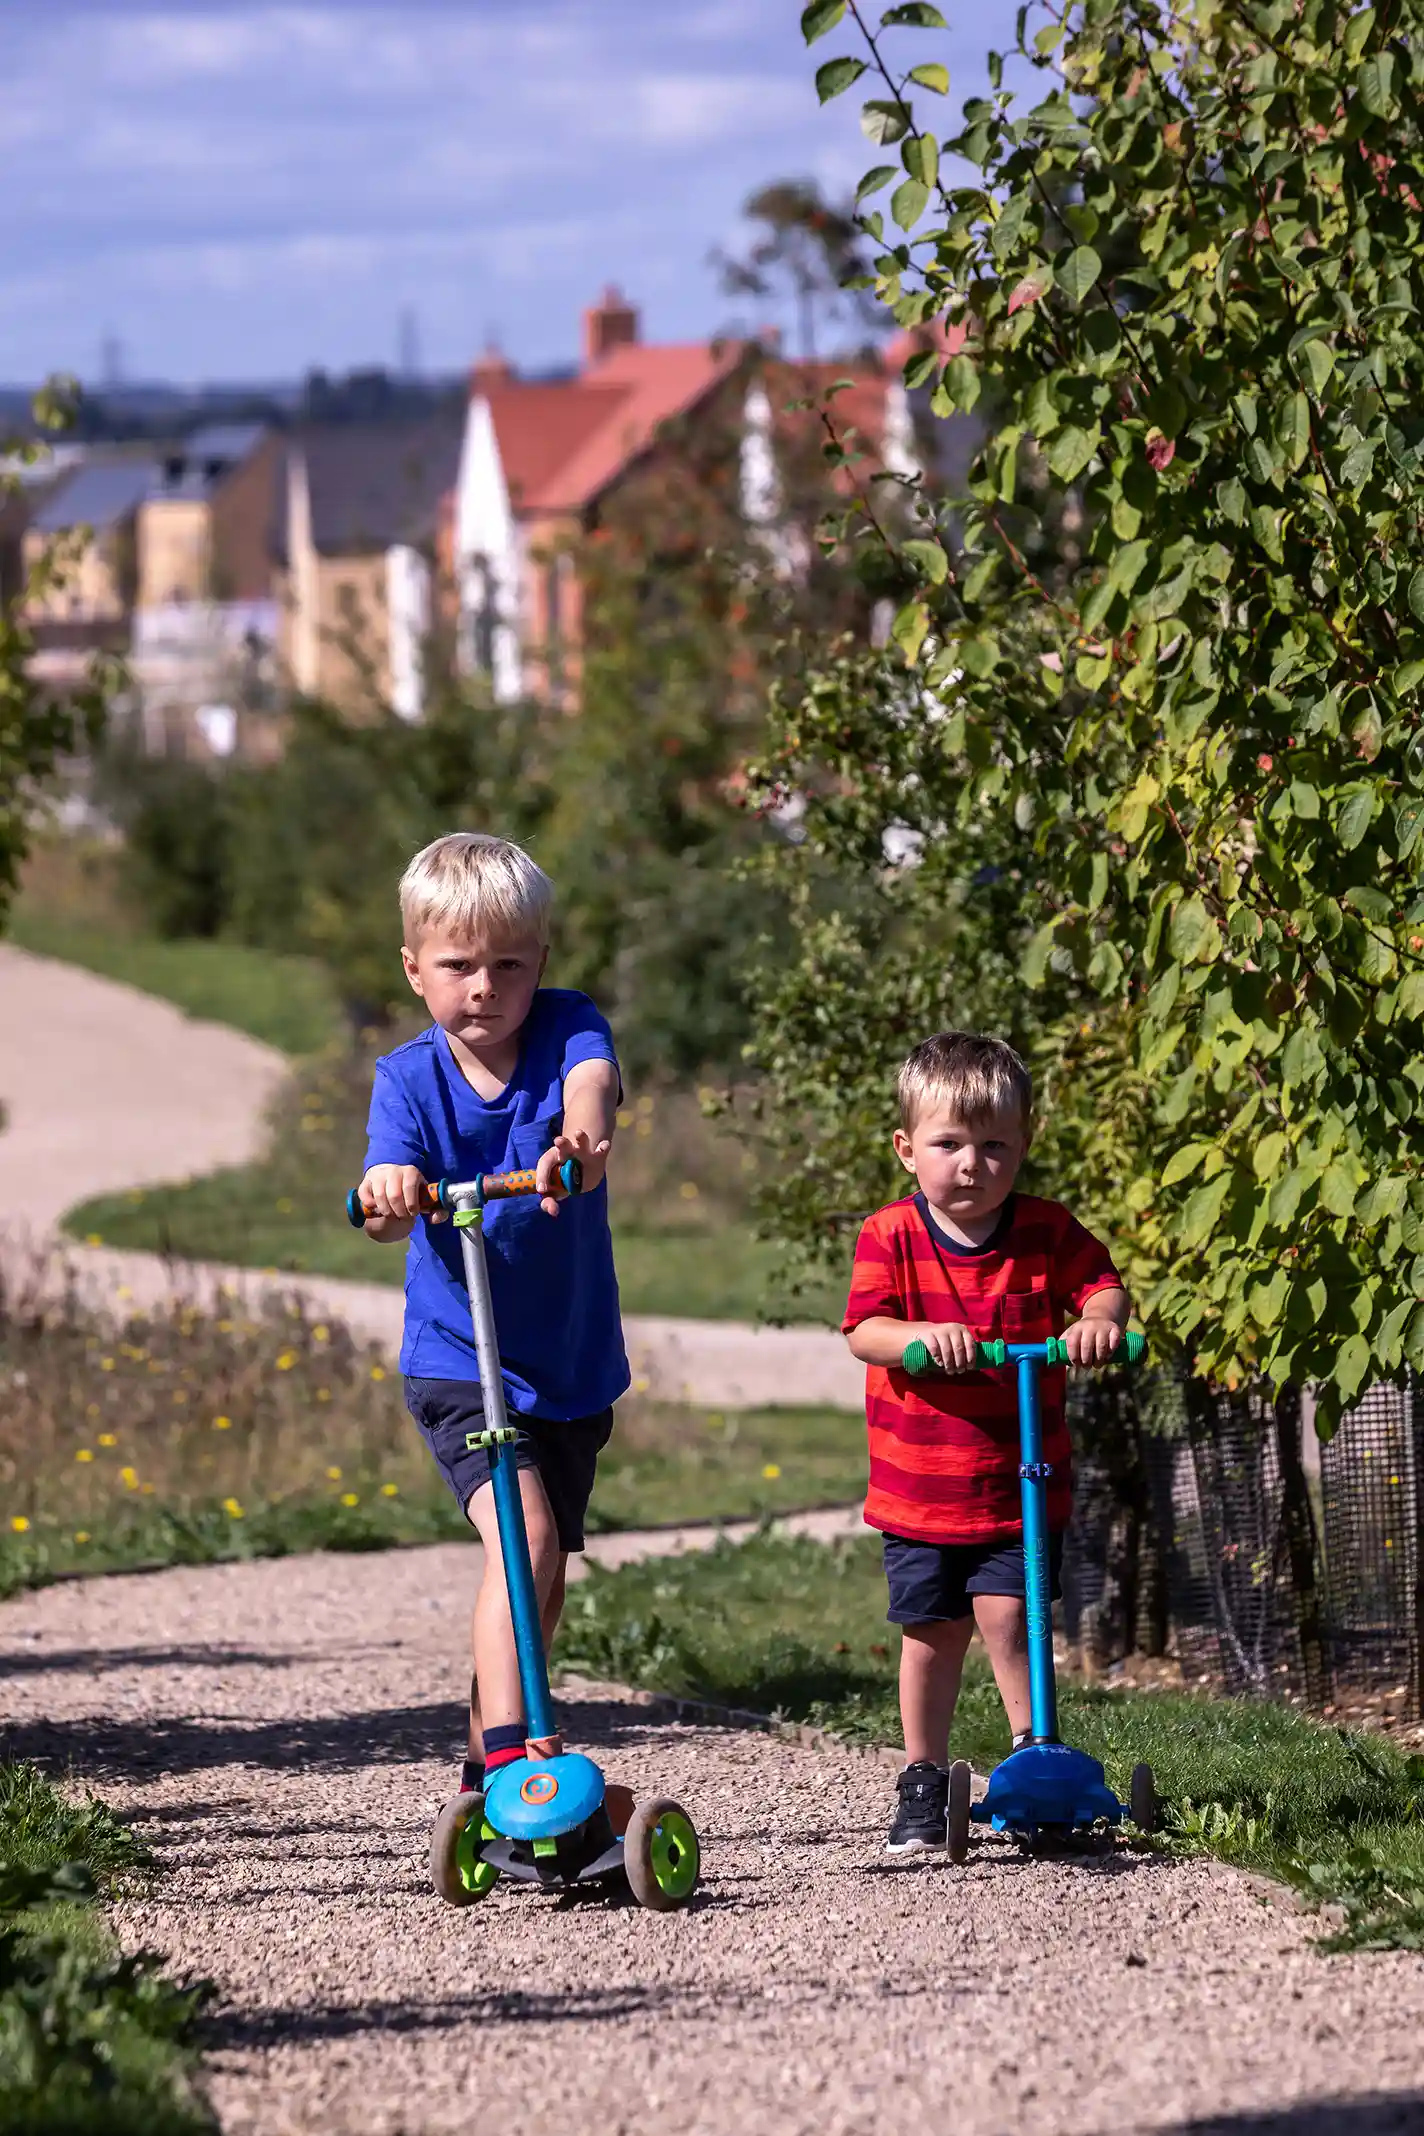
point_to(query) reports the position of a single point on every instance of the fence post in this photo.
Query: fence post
(1299, 1522)
(1416, 1494)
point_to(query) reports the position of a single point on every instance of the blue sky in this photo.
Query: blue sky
(241, 191)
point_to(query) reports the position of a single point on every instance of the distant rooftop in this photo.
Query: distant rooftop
(97, 496)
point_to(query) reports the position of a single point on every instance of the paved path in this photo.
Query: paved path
(105, 1088)
(282, 1733)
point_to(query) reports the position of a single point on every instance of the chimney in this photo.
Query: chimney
(491, 369)
(612, 323)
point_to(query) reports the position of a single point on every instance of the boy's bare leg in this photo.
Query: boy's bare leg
(496, 1699)
(931, 1664)
(1003, 1625)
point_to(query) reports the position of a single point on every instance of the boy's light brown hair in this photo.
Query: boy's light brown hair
(481, 888)
(973, 1076)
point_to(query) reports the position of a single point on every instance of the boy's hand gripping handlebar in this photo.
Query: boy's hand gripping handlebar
(917, 1361)
(447, 1194)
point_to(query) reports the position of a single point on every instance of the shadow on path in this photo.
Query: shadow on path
(1383, 2114)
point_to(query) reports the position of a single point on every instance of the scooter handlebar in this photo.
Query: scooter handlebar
(917, 1361)
(490, 1186)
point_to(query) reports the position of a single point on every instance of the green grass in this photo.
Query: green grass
(90, 2040)
(786, 1626)
(287, 1001)
(663, 1466)
(252, 1219)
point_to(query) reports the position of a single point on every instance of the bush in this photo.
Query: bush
(178, 824)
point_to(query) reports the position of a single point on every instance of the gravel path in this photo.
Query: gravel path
(283, 1733)
(104, 1088)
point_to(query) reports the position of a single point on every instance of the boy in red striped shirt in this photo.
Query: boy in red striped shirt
(960, 1261)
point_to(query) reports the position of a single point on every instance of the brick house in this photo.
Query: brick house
(539, 459)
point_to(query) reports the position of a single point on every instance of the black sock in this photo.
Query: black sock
(1024, 1738)
(472, 1774)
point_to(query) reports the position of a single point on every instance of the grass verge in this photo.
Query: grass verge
(683, 1241)
(782, 1625)
(90, 2040)
(184, 1437)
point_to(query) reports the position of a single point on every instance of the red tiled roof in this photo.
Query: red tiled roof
(562, 445)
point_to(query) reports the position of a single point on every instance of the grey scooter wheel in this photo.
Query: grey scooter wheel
(661, 1855)
(957, 1815)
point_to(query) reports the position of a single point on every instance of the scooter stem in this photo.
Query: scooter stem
(508, 1505)
(1038, 1606)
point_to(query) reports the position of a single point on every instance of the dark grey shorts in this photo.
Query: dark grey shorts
(935, 1583)
(565, 1455)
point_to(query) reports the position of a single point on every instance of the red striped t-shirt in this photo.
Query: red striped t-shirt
(944, 1452)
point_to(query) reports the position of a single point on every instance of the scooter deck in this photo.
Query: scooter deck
(1047, 1786)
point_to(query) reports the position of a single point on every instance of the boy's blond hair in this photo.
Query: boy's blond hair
(482, 888)
(975, 1077)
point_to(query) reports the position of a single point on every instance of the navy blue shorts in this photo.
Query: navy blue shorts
(935, 1583)
(565, 1455)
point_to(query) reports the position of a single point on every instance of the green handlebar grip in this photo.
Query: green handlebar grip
(916, 1359)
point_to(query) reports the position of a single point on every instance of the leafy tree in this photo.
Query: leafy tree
(38, 728)
(805, 246)
(1207, 736)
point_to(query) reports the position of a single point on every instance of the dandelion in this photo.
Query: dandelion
(320, 1333)
(378, 1372)
(106, 1364)
(106, 1438)
(129, 1478)
(84, 1453)
(689, 1190)
(92, 1238)
(771, 1471)
(232, 1509)
(222, 1423)
(147, 1490)
(624, 1119)
(19, 1523)
(390, 1490)
(286, 1361)
(640, 1386)
(349, 1498)
(323, 1394)
(333, 1475)
(81, 1535)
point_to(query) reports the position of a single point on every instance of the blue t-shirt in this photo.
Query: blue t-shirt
(551, 1278)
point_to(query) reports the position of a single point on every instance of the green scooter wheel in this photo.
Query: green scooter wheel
(458, 1873)
(661, 1855)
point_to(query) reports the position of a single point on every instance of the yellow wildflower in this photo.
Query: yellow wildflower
(772, 1471)
(106, 1438)
(689, 1190)
(129, 1477)
(334, 1475)
(19, 1523)
(390, 1490)
(378, 1372)
(323, 1394)
(81, 1535)
(85, 1453)
(349, 1498)
(92, 1238)
(222, 1423)
(284, 1205)
(232, 1509)
(91, 1409)
(147, 1490)
(286, 1361)
(321, 1333)
(106, 1364)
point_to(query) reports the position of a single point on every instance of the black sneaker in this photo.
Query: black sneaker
(924, 1804)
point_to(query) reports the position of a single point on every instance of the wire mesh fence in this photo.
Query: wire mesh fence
(1210, 1526)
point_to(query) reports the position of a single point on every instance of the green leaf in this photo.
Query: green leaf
(961, 381)
(930, 558)
(1202, 1210)
(910, 629)
(1183, 1162)
(1317, 361)
(913, 15)
(1375, 83)
(1293, 429)
(837, 75)
(1035, 960)
(1358, 31)
(1078, 273)
(1069, 451)
(1354, 816)
(1337, 1190)
(1351, 1364)
(1127, 564)
(907, 202)
(1231, 496)
(1415, 595)
(873, 181)
(820, 18)
(1408, 823)
(883, 122)
(932, 76)
(920, 156)
(1285, 1200)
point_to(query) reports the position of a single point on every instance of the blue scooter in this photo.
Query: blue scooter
(547, 1818)
(1047, 1789)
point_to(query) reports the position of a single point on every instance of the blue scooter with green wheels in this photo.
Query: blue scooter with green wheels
(1047, 1789)
(548, 1818)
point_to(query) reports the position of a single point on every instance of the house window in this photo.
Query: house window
(482, 619)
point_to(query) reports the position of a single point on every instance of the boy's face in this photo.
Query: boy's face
(966, 1170)
(478, 992)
